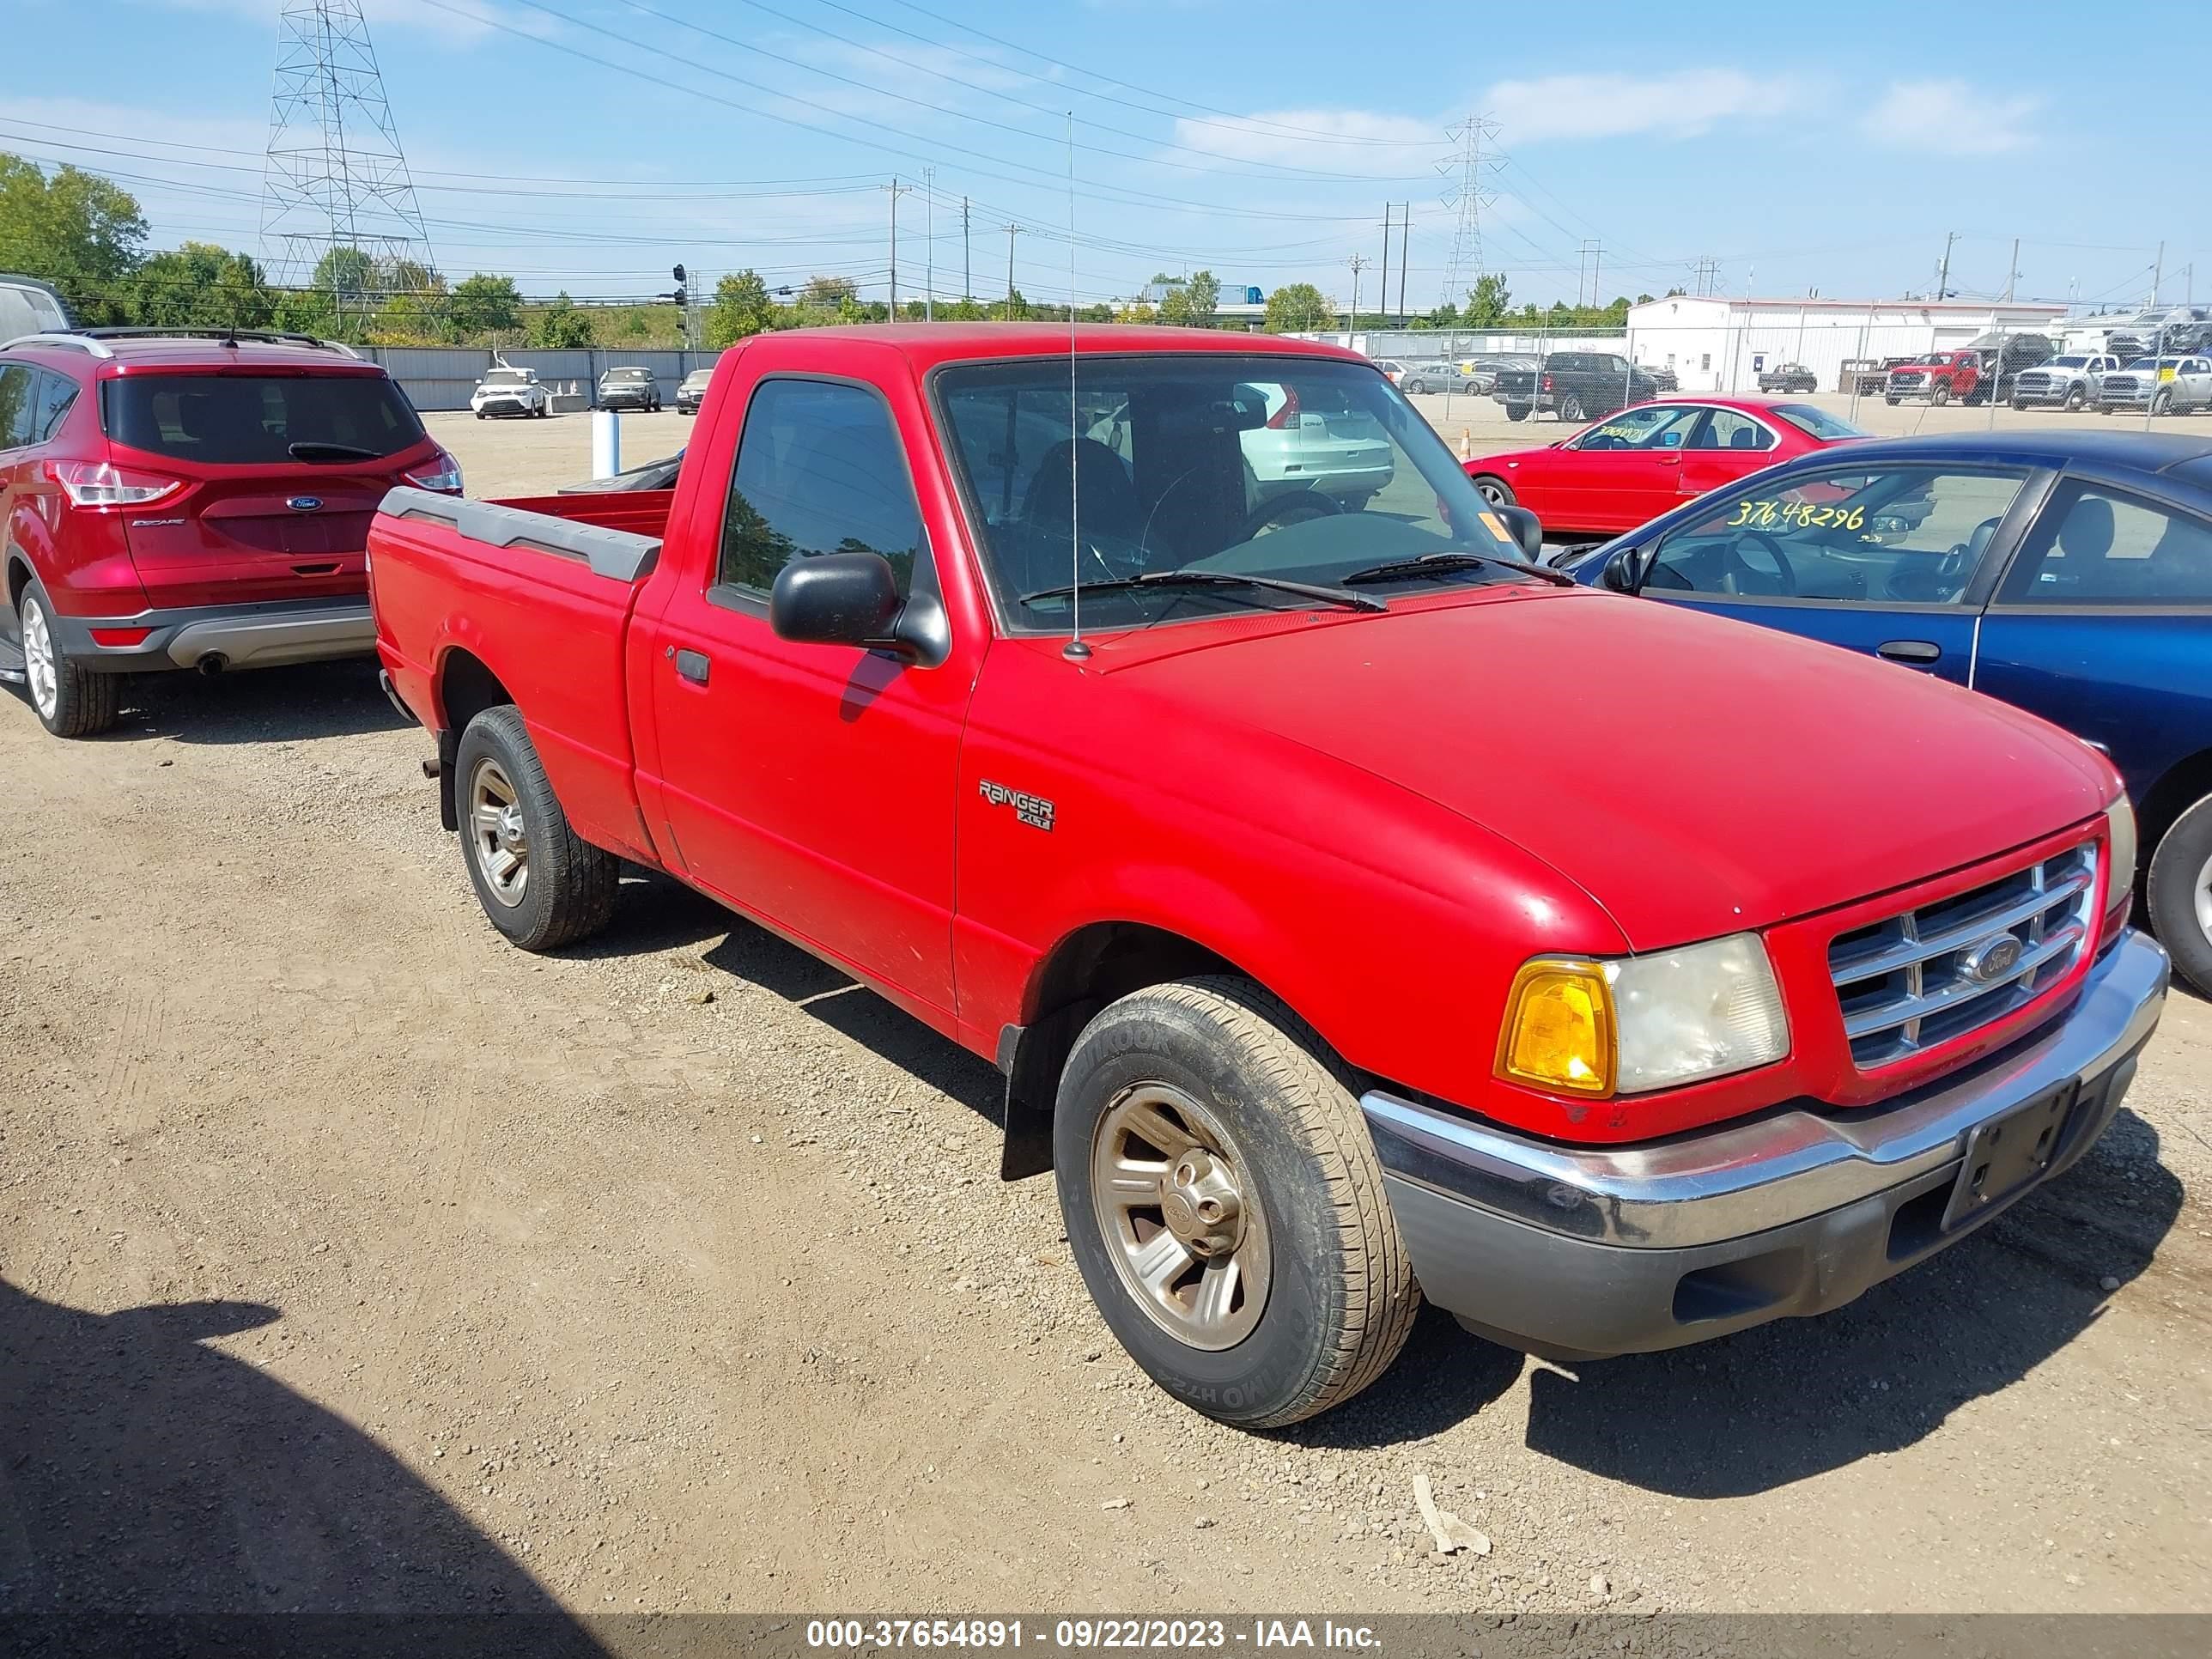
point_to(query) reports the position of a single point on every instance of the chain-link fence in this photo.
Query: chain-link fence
(442, 377)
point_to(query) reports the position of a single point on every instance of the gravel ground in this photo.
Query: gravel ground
(350, 1259)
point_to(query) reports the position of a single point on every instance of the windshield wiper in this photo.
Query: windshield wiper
(1434, 564)
(1218, 579)
(311, 451)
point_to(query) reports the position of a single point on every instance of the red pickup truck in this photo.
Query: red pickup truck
(1356, 914)
(1939, 376)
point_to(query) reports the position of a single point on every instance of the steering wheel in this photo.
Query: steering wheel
(1734, 566)
(1305, 503)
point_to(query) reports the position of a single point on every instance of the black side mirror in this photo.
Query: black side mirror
(1624, 571)
(1527, 529)
(835, 598)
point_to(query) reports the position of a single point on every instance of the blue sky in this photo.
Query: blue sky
(587, 144)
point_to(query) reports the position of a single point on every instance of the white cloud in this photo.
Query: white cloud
(1385, 146)
(1950, 117)
(469, 20)
(1611, 105)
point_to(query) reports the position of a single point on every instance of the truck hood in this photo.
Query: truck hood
(1695, 776)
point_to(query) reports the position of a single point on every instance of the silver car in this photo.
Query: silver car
(1434, 377)
(1338, 450)
(630, 388)
(693, 390)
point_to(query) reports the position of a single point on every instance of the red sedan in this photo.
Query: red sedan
(1649, 459)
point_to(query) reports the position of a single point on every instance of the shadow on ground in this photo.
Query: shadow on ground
(1792, 1399)
(266, 705)
(142, 1472)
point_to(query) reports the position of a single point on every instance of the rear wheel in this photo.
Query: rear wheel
(1225, 1203)
(69, 701)
(2179, 895)
(1495, 490)
(1571, 408)
(1517, 412)
(538, 881)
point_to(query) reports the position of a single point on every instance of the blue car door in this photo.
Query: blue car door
(1894, 560)
(2103, 623)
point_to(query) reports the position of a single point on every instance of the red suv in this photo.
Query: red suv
(202, 501)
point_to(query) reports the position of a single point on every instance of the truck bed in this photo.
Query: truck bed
(537, 594)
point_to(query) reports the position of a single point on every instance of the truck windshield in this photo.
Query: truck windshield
(234, 420)
(1298, 469)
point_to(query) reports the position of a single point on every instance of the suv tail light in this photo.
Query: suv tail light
(103, 484)
(1287, 417)
(1547, 382)
(442, 475)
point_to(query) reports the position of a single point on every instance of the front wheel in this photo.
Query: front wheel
(539, 883)
(1892, 401)
(70, 701)
(1225, 1203)
(2018, 407)
(2076, 397)
(2162, 404)
(1495, 490)
(2178, 893)
(1941, 395)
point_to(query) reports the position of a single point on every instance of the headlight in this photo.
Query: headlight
(2120, 829)
(1642, 1022)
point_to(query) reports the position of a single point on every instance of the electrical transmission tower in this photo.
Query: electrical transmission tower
(337, 206)
(1467, 196)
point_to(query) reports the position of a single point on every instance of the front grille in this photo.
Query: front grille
(2035, 383)
(2121, 386)
(1915, 981)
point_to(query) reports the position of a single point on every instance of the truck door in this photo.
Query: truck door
(1892, 561)
(2103, 624)
(812, 785)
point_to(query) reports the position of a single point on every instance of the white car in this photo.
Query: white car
(505, 391)
(1341, 450)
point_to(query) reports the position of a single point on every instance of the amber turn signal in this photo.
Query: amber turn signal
(1558, 1031)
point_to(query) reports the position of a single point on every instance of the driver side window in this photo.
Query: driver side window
(1893, 536)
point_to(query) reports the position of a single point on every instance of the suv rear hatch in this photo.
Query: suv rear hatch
(280, 470)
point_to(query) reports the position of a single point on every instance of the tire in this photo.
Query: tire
(2077, 397)
(2018, 407)
(1891, 401)
(565, 890)
(2161, 403)
(1571, 408)
(69, 701)
(1517, 412)
(1495, 490)
(1939, 394)
(2179, 871)
(480, 414)
(1218, 1058)
(1418, 388)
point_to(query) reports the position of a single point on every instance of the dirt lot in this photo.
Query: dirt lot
(351, 1259)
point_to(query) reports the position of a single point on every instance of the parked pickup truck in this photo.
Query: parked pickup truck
(1327, 969)
(1938, 376)
(2159, 386)
(1576, 386)
(2069, 382)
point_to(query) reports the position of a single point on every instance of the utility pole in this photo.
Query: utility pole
(1708, 270)
(1597, 255)
(1358, 263)
(967, 277)
(1405, 235)
(928, 247)
(1011, 230)
(1944, 270)
(896, 190)
(1467, 196)
(2011, 275)
(2158, 273)
(1583, 270)
(1386, 264)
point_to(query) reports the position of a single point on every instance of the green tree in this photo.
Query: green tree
(1013, 308)
(1136, 312)
(345, 273)
(561, 323)
(1299, 308)
(741, 307)
(1175, 307)
(76, 230)
(1487, 300)
(485, 305)
(200, 285)
(829, 291)
(1205, 291)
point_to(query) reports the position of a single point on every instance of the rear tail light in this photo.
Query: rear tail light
(442, 475)
(103, 484)
(1547, 382)
(1287, 417)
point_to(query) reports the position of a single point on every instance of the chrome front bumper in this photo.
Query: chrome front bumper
(1592, 1250)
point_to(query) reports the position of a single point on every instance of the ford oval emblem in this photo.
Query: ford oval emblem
(304, 503)
(1991, 959)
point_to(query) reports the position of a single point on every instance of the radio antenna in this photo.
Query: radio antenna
(1077, 651)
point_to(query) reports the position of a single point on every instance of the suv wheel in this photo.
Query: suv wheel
(69, 701)
(1225, 1203)
(539, 883)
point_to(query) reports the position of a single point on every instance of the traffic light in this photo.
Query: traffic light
(678, 275)
(678, 297)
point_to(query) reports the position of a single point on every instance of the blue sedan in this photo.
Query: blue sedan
(2070, 573)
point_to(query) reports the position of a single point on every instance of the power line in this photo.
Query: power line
(1467, 195)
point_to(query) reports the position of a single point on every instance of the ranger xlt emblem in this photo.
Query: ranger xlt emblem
(1035, 810)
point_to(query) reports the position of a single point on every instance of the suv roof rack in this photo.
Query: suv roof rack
(95, 341)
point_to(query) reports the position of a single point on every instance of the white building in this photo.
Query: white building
(1723, 344)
